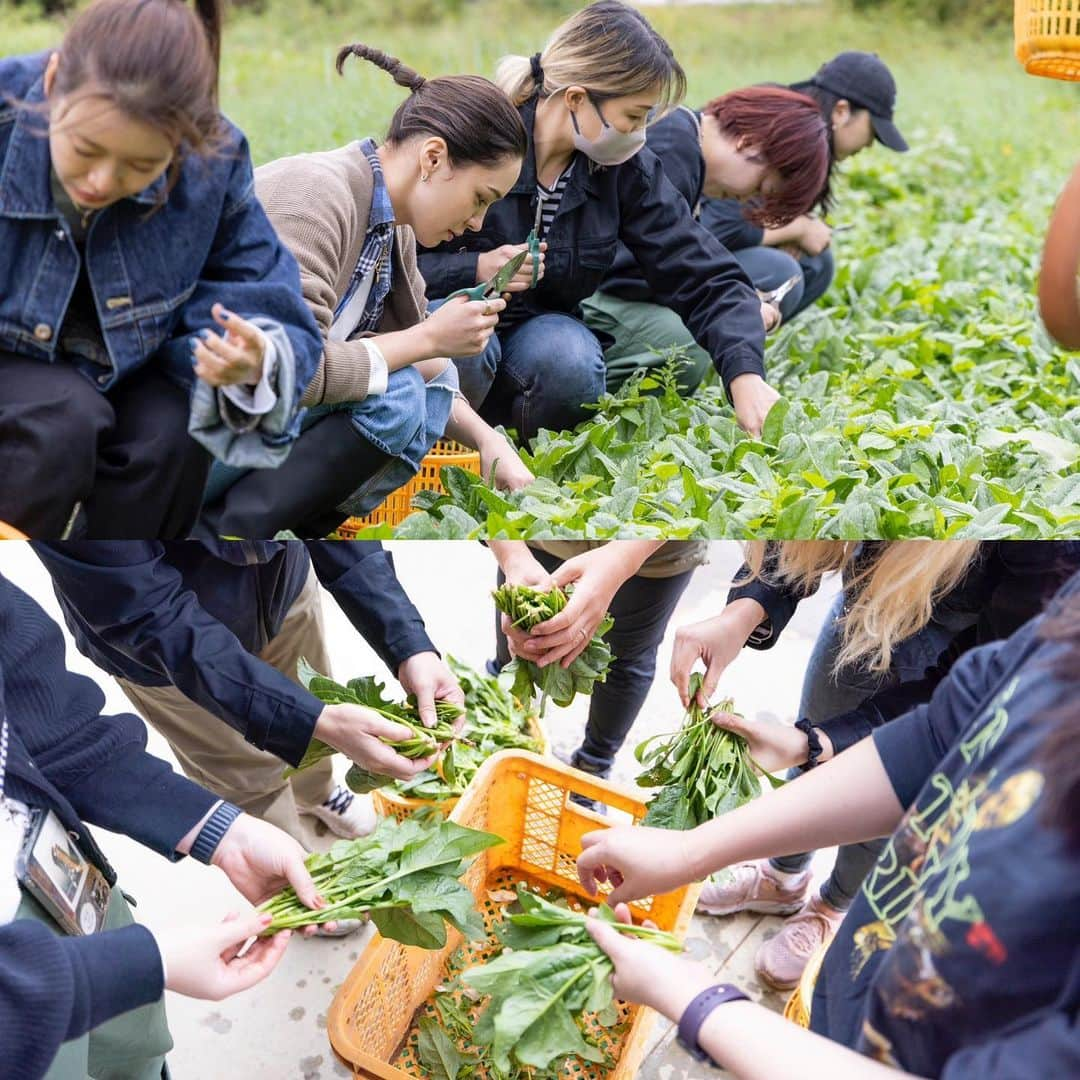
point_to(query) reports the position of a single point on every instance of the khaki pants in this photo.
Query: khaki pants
(215, 755)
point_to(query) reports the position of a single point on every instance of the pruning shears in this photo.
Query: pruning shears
(496, 285)
(774, 296)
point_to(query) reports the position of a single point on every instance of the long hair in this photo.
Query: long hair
(470, 114)
(608, 48)
(889, 599)
(790, 134)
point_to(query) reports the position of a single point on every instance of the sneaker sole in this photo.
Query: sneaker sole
(778, 985)
(757, 907)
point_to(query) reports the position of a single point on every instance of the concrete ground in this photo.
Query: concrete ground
(277, 1031)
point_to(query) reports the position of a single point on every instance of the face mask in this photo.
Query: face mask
(610, 147)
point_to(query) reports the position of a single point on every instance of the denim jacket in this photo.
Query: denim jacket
(155, 274)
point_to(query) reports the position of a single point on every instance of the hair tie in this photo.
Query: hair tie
(537, 70)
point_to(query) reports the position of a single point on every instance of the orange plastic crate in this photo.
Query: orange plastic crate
(398, 504)
(1047, 37)
(525, 799)
(389, 803)
(9, 532)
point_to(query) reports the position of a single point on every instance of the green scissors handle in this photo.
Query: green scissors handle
(534, 250)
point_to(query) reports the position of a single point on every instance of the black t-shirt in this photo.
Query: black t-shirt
(960, 957)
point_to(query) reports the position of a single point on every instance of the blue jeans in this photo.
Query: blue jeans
(536, 374)
(769, 268)
(825, 695)
(641, 608)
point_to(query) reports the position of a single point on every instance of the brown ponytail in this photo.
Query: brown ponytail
(155, 60)
(475, 119)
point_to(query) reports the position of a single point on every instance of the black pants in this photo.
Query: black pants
(641, 609)
(125, 455)
(329, 461)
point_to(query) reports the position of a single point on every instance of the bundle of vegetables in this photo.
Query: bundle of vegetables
(702, 770)
(496, 721)
(526, 608)
(549, 974)
(369, 693)
(404, 875)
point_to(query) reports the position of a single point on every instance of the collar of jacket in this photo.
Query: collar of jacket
(25, 189)
(582, 180)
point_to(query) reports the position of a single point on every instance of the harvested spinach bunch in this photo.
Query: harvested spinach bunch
(369, 693)
(702, 770)
(405, 875)
(550, 973)
(526, 608)
(496, 721)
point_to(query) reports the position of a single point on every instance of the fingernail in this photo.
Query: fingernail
(224, 315)
(204, 333)
(266, 918)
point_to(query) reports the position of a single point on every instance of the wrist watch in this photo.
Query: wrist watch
(211, 834)
(698, 1011)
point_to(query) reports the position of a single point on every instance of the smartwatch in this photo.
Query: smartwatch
(210, 835)
(698, 1011)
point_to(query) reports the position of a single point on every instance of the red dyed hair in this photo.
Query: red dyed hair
(790, 133)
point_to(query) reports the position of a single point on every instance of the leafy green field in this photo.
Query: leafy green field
(921, 397)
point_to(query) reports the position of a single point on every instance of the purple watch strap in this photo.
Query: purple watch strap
(699, 1010)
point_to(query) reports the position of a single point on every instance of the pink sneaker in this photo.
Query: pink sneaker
(780, 960)
(753, 886)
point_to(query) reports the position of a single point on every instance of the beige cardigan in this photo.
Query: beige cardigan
(320, 204)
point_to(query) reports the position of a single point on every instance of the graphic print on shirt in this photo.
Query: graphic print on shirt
(918, 891)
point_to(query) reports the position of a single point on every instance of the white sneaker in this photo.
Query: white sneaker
(345, 814)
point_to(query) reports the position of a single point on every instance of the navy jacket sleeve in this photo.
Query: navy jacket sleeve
(689, 271)
(151, 617)
(98, 763)
(912, 746)
(445, 271)
(779, 599)
(55, 988)
(726, 220)
(361, 578)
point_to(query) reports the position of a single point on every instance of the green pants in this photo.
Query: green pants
(129, 1047)
(638, 328)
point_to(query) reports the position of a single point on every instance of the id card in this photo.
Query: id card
(54, 871)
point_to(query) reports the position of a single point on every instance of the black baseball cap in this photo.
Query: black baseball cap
(863, 79)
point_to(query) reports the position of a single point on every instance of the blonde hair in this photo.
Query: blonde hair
(609, 49)
(888, 600)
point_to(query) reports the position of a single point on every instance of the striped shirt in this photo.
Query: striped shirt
(550, 198)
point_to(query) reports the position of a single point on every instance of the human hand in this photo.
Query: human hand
(770, 316)
(489, 263)
(510, 472)
(752, 398)
(426, 676)
(637, 861)
(596, 576)
(815, 236)
(358, 733)
(646, 973)
(462, 327)
(236, 357)
(716, 642)
(774, 747)
(202, 961)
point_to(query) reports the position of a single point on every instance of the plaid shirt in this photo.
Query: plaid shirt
(378, 245)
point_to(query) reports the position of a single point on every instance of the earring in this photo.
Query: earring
(423, 178)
